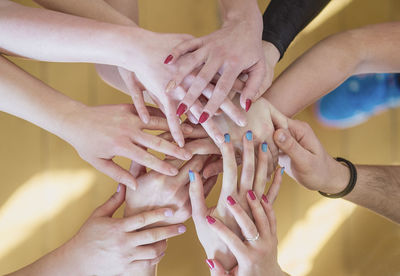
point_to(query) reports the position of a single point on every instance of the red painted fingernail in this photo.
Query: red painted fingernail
(251, 195)
(230, 200)
(210, 220)
(168, 59)
(265, 199)
(210, 263)
(248, 104)
(203, 117)
(181, 109)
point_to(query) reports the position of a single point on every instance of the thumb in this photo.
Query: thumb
(109, 207)
(286, 143)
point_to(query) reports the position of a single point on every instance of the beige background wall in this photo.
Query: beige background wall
(47, 191)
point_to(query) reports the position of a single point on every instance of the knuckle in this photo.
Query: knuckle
(140, 220)
(153, 235)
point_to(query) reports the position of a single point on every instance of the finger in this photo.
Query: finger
(136, 94)
(201, 81)
(186, 65)
(158, 144)
(174, 124)
(213, 169)
(148, 252)
(229, 180)
(141, 220)
(234, 243)
(260, 218)
(153, 235)
(209, 185)
(203, 146)
(270, 215)
(109, 207)
(145, 158)
(144, 264)
(275, 186)
(117, 173)
(222, 89)
(216, 268)
(192, 118)
(249, 229)
(136, 169)
(261, 176)
(195, 164)
(156, 112)
(304, 135)
(182, 48)
(291, 147)
(196, 194)
(248, 167)
(279, 120)
(253, 84)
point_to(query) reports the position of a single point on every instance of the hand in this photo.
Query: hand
(103, 132)
(272, 56)
(250, 180)
(234, 49)
(256, 257)
(109, 246)
(307, 161)
(262, 118)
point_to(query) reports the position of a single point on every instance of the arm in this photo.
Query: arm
(283, 20)
(377, 187)
(371, 49)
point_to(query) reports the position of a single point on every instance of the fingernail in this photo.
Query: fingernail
(282, 137)
(119, 188)
(248, 104)
(251, 195)
(168, 213)
(191, 176)
(182, 229)
(227, 137)
(173, 171)
(203, 117)
(249, 135)
(282, 170)
(210, 263)
(264, 198)
(264, 147)
(210, 220)
(187, 155)
(181, 109)
(168, 59)
(170, 86)
(230, 200)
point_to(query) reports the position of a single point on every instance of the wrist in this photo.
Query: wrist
(338, 178)
(271, 52)
(70, 121)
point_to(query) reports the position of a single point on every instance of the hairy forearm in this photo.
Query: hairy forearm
(51, 36)
(378, 189)
(326, 65)
(26, 97)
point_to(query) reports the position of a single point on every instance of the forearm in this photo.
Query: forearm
(232, 10)
(52, 36)
(24, 96)
(325, 66)
(284, 19)
(378, 189)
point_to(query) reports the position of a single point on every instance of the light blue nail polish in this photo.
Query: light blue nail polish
(264, 147)
(249, 135)
(191, 176)
(227, 137)
(282, 170)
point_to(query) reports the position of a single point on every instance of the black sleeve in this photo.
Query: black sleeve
(284, 19)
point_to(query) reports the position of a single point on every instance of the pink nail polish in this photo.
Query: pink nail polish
(168, 59)
(248, 104)
(230, 200)
(119, 188)
(210, 263)
(210, 220)
(203, 117)
(181, 109)
(251, 195)
(265, 199)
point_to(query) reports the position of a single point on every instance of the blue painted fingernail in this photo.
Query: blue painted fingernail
(282, 170)
(191, 176)
(249, 135)
(227, 137)
(264, 147)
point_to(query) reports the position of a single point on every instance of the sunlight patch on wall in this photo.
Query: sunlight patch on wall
(308, 236)
(38, 200)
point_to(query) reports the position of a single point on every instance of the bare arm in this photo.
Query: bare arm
(371, 49)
